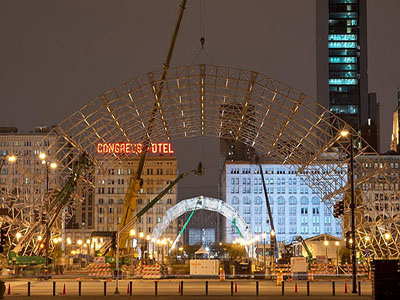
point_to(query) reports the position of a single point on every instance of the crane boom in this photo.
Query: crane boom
(135, 181)
(271, 220)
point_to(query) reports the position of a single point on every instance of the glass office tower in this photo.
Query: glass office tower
(342, 80)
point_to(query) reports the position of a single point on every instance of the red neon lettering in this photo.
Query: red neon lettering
(128, 148)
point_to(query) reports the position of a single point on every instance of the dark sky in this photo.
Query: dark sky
(57, 55)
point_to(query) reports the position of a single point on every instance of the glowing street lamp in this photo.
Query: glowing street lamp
(132, 232)
(387, 236)
(11, 158)
(18, 235)
(337, 257)
(344, 133)
(347, 134)
(42, 156)
(264, 236)
(326, 243)
(79, 242)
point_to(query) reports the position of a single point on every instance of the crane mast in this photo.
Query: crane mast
(136, 181)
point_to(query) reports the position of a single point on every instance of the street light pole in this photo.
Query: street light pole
(117, 264)
(337, 257)
(47, 235)
(53, 165)
(265, 261)
(353, 227)
(345, 133)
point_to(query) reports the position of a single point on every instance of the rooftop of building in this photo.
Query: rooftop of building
(38, 130)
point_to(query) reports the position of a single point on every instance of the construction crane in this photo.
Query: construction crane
(135, 180)
(125, 229)
(56, 204)
(271, 220)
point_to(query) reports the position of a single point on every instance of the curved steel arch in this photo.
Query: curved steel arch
(207, 203)
(231, 103)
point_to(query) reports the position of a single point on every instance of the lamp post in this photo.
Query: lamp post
(264, 236)
(52, 165)
(345, 133)
(326, 244)
(148, 238)
(337, 257)
(10, 159)
(141, 235)
(387, 237)
(132, 234)
(69, 242)
(272, 250)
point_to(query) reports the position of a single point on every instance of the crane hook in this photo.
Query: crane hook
(202, 41)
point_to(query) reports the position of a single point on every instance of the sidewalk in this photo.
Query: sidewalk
(115, 297)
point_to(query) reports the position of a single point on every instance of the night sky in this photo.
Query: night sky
(55, 55)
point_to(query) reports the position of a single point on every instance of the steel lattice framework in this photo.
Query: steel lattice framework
(206, 203)
(249, 107)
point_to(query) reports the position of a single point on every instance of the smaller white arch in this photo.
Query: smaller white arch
(207, 203)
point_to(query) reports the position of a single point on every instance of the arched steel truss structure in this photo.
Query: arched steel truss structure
(249, 107)
(206, 203)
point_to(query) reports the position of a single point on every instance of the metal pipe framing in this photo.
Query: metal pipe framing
(256, 110)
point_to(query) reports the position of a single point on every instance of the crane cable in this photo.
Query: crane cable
(202, 31)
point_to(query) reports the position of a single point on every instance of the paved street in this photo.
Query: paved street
(190, 288)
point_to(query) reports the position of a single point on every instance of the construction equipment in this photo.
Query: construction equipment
(135, 180)
(57, 202)
(303, 242)
(125, 229)
(273, 242)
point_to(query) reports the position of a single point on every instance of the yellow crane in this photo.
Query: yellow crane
(135, 180)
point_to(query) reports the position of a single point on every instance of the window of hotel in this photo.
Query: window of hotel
(304, 200)
(292, 201)
(315, 201)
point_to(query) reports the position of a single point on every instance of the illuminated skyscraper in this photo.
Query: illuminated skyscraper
(395, 142)
(342, 79)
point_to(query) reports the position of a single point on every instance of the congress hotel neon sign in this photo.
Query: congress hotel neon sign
(128, 148)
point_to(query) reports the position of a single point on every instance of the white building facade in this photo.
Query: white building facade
(296, 208)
